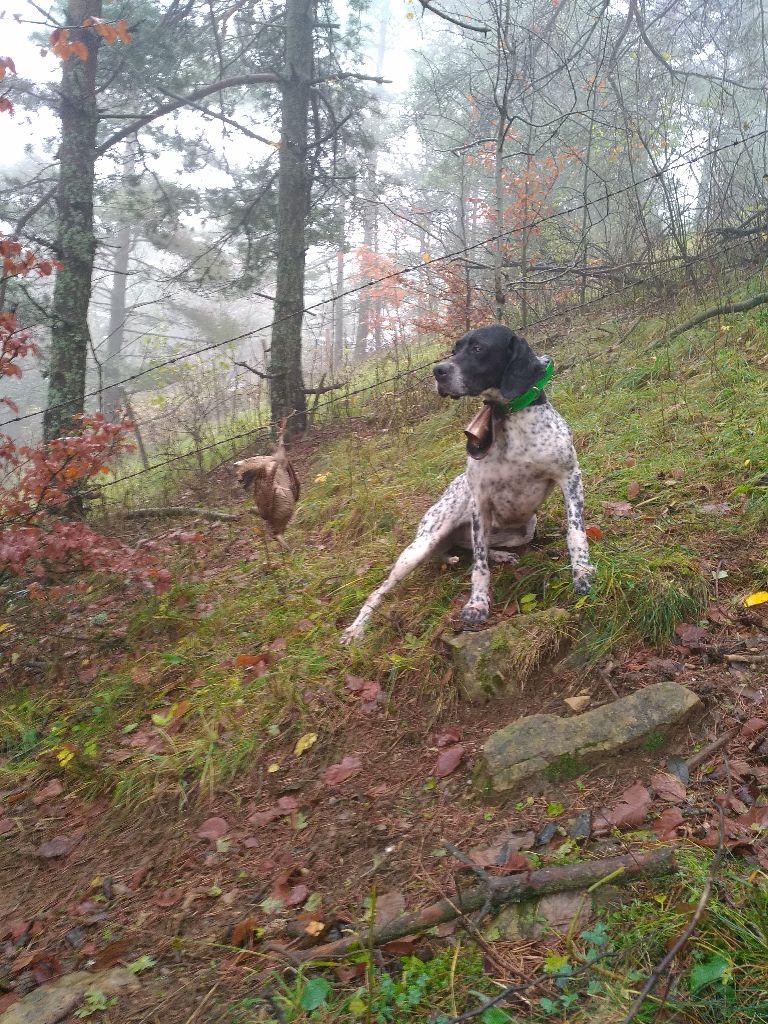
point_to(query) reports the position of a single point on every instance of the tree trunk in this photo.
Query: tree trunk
(74, 216)
(287, 392)
(117, 305)
(338, 309)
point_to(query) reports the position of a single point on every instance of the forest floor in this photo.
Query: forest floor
(192, 779)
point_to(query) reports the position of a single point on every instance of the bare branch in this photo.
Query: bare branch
(257, 78)
(427, 5)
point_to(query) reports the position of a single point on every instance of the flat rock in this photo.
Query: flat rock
(532, 919)
(554, 748)
(501, 659)
(57, 999)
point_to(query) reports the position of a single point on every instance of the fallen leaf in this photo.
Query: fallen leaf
(304, 743)
(405, 946)
(7, 826)
(633, 490)
(298, 894)
(7, 1000)
(719, 615)
(261, 818)
(286, 804)
(594, 533)
(630, 809)
(15, 929)
(168, 898)
(366, 689)
(242, 932)
(335, 774)
(514, 862)
(389, 905)
(59, 846)
(445, 739)
(760, 597)
(449, 760)
(501, 848)
(716, 509)
(314, 928)
(752, 727)
(618, 508)
(258, 663)
(54, 788)
(112, 954)
(213, 829)
(578, 703)
(690, 634)
(629, 461)
(668, 787)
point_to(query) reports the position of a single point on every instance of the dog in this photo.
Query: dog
(521, 451)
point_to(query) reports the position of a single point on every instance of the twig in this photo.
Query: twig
(202, 1003)
(711, 748)
(511, 990)
(663, 964)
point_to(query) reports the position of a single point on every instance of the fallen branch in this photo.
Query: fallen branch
(729, 307)
(501, 890)
(168, 511)
(711, 748)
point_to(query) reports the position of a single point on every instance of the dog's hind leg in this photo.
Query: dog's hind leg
(434, 535)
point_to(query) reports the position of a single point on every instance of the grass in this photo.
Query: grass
(687, 426)
(593, 976)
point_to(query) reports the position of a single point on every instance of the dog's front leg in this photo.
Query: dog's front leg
(478, 607)
(578, 545)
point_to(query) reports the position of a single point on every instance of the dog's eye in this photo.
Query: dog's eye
(475, 348)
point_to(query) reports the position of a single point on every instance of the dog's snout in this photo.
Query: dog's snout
(440, 370)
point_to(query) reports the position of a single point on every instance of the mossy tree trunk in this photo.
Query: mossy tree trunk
(288, 398)
(74, 218)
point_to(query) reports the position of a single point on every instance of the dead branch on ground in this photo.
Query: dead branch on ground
(728, 307)
(506, 889)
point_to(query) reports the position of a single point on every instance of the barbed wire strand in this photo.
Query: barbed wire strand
(268, 427)
(424, 264)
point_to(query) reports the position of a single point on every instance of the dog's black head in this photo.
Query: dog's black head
(489, 359)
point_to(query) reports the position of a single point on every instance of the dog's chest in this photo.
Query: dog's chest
(532, 451)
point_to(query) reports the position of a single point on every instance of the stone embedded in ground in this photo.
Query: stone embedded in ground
(546, 747)
(55, 1000)
(502, 658)
(532, 919)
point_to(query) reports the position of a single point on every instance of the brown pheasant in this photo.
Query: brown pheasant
(275, 487)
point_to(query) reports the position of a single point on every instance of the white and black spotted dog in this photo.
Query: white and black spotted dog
(494, 503)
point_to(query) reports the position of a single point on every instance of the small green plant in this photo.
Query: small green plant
(95, 1002)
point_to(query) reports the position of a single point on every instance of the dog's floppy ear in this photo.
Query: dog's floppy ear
(523, 369)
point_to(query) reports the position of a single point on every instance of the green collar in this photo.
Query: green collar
(533, 392)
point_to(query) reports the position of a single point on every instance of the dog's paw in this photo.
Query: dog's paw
(498, 557)
(474, 613)
(350, 633)
(583, 578)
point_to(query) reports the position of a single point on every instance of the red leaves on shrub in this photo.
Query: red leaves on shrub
(40, 531)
